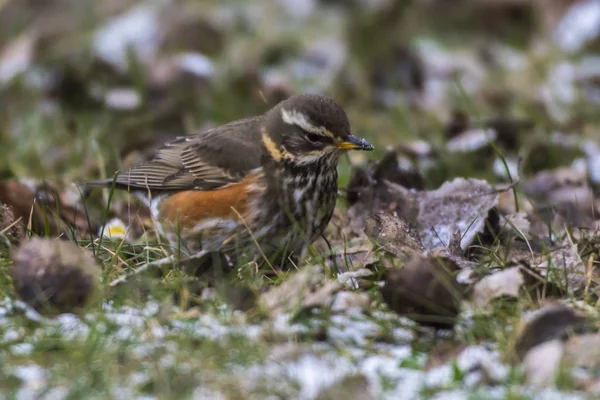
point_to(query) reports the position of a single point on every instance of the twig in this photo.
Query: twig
(157, 263)
(9, 227)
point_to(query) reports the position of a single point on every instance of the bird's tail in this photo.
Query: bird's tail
(104, 184)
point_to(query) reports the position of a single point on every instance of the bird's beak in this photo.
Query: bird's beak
(352, 142)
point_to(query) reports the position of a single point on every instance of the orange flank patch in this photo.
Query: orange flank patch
(195, 206)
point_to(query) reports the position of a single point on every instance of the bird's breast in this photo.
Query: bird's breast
(307, 196)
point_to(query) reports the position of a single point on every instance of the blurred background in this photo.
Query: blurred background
(88, 87)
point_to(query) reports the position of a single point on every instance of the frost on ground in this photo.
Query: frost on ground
(375, 347)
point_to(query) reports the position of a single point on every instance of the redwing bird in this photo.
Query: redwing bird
(264, 186)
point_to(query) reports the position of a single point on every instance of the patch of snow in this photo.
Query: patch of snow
(579, 25)
(137, 30)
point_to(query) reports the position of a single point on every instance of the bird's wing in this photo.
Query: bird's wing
(209, 160)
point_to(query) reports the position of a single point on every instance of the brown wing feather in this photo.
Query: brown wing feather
(209, 160)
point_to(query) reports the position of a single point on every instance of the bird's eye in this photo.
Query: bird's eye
(312, 137)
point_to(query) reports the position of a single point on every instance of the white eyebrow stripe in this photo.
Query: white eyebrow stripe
(294, 117)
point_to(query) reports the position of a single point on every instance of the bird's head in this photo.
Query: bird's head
(305, 128)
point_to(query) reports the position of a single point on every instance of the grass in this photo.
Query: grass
(164, 334)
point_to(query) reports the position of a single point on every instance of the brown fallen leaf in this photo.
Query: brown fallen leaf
(11, 229)
(306, 288)
(55, 276)
(390, 170)
(552, 321)
(563, 192)
(462, 204)
(362, 278)
(24, 205)
(563, 266)
(394, 235)
(41, 208)
(425, 290)
(352, 257)
(185, 30)
(531, 257)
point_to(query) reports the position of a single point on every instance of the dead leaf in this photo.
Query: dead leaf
(352, 279)
(563, 267)
(345, 300)
(443, 352)
(566, 192)
(518, 222)
(17, 57)
(583, 350)
(321, 296)
(391, 170)
(507, 282)
(55, 275)
(12, 230)
(552, 321)
(542, 363)
(341, 230)
(353, 257)
(425, 290)
(506, 201)
(44, 206)
(306, 288)
(23, 203)
(462, 204)
(394, 235)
